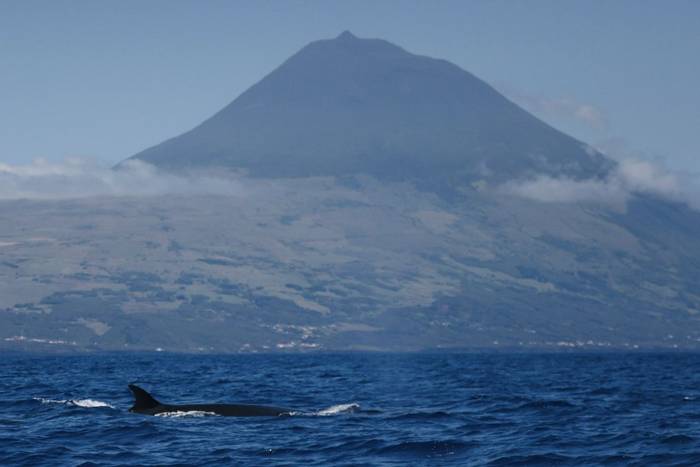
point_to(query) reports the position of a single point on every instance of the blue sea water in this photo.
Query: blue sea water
(355, 409)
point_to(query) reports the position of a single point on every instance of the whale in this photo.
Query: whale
(146, 404)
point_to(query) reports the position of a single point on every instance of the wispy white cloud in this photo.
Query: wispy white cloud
(647, 177)
(559, 107)
(566, 190)
(80, 178)
(565, 107)
(630, 176)
(585, 112)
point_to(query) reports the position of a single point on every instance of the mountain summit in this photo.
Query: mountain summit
(349, 105)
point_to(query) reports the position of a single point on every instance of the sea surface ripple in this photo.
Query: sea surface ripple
(355, 409)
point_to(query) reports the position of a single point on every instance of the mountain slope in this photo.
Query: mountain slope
(309, 263)
(350, 105)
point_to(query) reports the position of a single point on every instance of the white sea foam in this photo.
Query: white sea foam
(50, 401)
(85, 403)
(39, 341)
(339, 408)
(90, 403)
(186, 413)
(332, 410)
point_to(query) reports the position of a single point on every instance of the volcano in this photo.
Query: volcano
(365, 106)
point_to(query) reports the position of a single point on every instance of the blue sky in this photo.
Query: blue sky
(107, 79)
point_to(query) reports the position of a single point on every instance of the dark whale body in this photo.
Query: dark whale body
(146, 404)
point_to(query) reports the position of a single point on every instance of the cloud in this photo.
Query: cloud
(81, 178)
(584, 112)
(646, 177)
(630, 176)
(559, 107)
(565, 190)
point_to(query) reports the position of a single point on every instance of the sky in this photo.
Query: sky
(104, 80)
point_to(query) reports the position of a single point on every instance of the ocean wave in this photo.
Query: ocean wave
(422, 415)
(437, 448)
(85, 403)
(508, 410)
(547, 404)
(676, 439)
(532, 459)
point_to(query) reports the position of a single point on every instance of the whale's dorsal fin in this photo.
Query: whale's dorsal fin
(142, 399)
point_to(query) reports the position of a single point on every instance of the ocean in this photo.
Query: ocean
(355, 409)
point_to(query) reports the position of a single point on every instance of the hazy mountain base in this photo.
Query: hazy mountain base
(324, 263)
